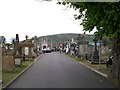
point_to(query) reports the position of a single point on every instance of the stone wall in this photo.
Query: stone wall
(8, 62)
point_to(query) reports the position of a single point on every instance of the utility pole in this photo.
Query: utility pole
(96, 53)
(51, 44)
(100, 52)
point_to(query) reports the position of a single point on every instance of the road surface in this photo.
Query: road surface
(55, 70)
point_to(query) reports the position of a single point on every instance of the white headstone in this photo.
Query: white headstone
(26, 50)
(17, 61)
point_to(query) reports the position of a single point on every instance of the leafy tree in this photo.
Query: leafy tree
(3, 39)
(105, 16)
(12, 40)
(106, 41)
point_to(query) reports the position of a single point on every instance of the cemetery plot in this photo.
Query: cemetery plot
(8, 76)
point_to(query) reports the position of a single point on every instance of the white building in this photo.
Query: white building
(44, 43)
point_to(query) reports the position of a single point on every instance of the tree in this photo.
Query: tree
(106, 18)
(106, 41)
(3, 39)
(12, 40)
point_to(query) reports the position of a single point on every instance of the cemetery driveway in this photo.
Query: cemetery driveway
(55, 70)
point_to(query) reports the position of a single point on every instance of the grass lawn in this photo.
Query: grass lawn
(8, 76)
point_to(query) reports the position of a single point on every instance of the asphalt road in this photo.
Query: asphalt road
(55, 70)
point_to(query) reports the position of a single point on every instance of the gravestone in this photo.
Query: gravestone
(18, 60)
(7, 61)
(26, 51)
(23, 47)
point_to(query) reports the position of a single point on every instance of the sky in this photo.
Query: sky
(34, 18)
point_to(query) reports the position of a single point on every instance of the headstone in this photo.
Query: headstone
(17, 38)
(18, 60)
(16, 45)
(26, 51)
(7, 61)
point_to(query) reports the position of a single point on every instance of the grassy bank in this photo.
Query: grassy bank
(8, 76)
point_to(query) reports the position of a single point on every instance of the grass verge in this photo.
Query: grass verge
(8, 76)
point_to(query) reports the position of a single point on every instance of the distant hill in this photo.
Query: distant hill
(61, 38)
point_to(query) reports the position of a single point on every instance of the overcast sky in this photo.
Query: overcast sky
(31, 17)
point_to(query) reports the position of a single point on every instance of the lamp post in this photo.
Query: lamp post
(100, 51)
(95, 55)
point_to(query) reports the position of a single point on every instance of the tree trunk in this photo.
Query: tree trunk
(116, 58)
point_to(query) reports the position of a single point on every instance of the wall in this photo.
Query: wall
(8, 62)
